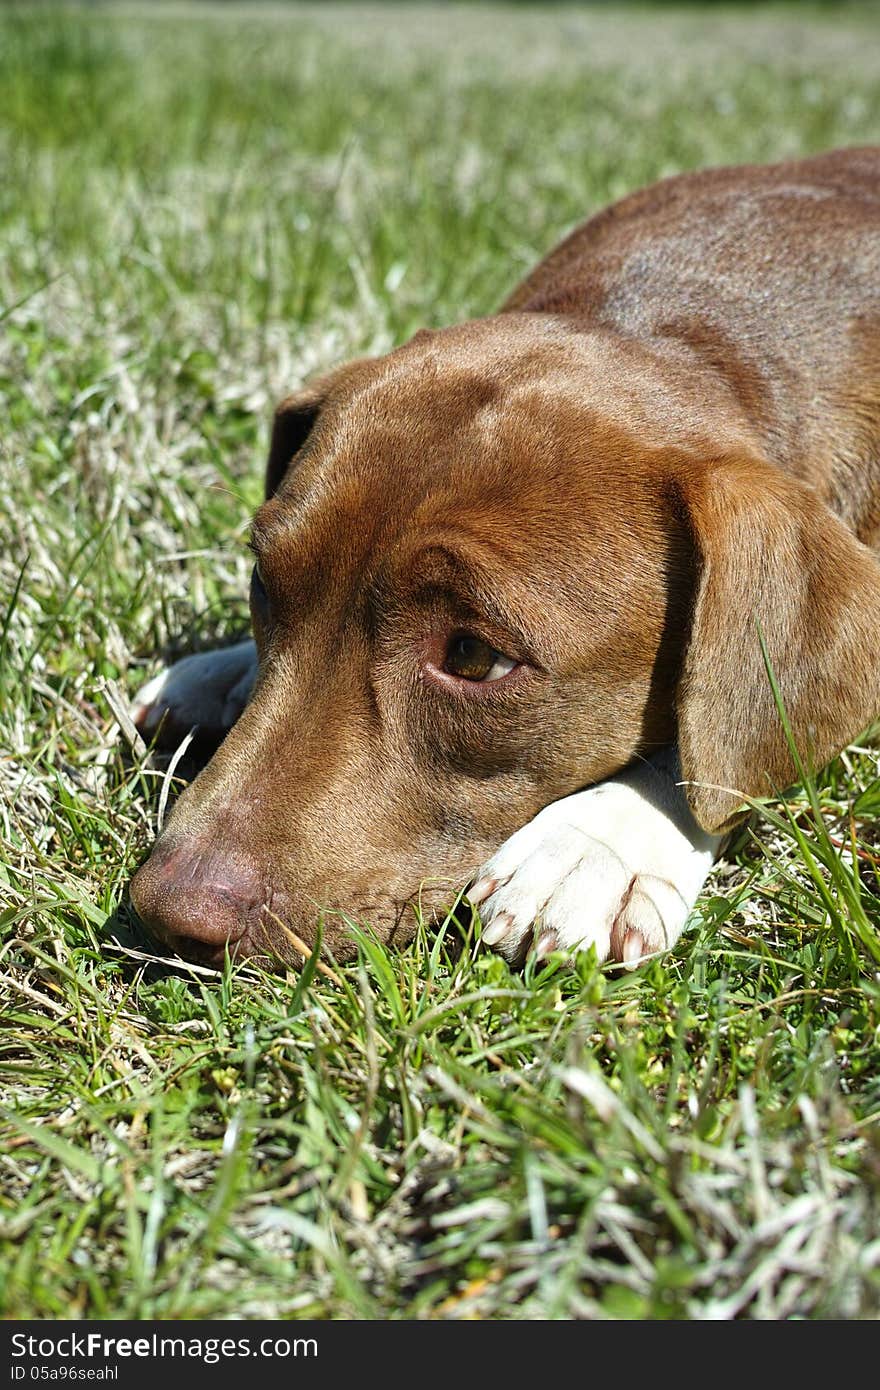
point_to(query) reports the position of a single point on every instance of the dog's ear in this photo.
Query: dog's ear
(297, 416)
(771, 554)
(294, 420)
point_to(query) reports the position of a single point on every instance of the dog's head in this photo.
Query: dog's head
(493, 567)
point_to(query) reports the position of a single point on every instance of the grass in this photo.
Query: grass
(202, 206)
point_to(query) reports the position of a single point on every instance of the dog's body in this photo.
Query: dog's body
(510, 579)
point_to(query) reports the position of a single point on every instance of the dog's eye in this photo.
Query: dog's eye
(472, 659)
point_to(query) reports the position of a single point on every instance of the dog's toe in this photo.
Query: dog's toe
(651, 916)
(513, 891)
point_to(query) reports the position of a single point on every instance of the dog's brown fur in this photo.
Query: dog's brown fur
(670, 430)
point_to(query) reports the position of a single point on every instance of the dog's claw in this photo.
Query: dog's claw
(498, 929)
(480, 891)
(547, 944)
(633, 949)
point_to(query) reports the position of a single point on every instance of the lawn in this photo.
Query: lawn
(201, 206)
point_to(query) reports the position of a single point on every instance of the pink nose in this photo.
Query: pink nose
(193, 894)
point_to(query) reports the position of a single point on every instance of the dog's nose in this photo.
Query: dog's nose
(193, 895)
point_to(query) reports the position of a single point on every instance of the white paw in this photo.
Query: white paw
(618, 867)
(208, 690)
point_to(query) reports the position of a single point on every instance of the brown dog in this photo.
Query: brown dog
(515, 557)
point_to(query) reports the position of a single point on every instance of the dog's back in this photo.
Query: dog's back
(769, 279)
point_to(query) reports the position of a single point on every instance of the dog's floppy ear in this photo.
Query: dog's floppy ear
(297, 416)
(293, 423)
(771, 553)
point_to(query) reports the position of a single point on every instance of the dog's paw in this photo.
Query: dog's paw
(207, 691)
(617, 867)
